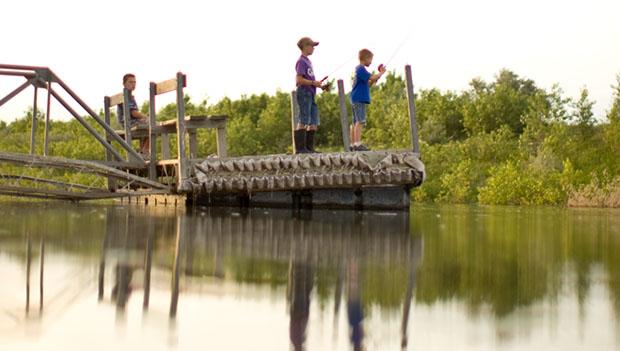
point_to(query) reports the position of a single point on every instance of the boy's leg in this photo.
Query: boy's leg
(310, 133)
(304, 100)
(300, 141)
(312, 128)
(357, 131)
(146, 143)
(359, 120)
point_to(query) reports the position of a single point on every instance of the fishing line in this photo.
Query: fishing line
(339, 67)
(402, 43)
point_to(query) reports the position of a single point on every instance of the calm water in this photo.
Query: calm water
(79, 277)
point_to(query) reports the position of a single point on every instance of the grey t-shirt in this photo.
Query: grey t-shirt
(133, 106)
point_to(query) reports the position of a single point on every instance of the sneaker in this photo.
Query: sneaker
(362, 147)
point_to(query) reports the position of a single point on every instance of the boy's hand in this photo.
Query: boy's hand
(382, 69)
(327, 86)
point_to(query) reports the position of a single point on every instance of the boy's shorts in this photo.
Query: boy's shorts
(138, 122)
(133, 122)
(308, 110)
(359, 113)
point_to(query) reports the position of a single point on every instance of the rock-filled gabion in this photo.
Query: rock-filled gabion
(307, 171)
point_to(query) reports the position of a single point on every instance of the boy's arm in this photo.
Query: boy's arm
(375, 77)
(303, 81)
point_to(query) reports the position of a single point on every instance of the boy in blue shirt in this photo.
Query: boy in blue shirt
(360, 97)
(308, 120)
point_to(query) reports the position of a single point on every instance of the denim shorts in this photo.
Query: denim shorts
(133, 122)
(138, 122)
(359, 113)
(308, 111)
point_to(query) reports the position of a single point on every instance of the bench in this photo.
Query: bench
(192, 124)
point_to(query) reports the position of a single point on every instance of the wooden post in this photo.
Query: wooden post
(108, 137)
(193, 144)
(183, 173)
(412, 116)
(220, 140)
(47, 119)
(33, 129)
(152, 134)
(165, 146)
(127, 120)
(344, 118)
(294, 114)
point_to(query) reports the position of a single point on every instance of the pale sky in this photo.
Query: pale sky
(235, 47)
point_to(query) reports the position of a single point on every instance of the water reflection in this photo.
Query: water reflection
(324, 279)
(308, 253)
(301, 281)
(355, 310)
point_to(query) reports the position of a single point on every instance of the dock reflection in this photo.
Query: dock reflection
(351, 254)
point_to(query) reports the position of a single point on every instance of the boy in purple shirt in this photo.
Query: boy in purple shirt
(308, 119)
(360, 97)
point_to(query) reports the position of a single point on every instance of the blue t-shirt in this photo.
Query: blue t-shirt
(303, 67)
(361, 91)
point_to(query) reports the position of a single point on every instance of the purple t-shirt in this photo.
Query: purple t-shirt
(304, 69)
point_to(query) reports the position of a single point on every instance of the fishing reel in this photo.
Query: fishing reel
(327, 87)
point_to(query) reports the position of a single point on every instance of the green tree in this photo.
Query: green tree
(614, 112)
(583, 115)
(503, 102)
(440, 116)
(274, 126)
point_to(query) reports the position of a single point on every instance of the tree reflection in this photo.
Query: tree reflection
(508, 258)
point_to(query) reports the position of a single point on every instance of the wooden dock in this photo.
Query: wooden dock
(372, 179)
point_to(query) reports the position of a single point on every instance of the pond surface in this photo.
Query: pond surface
(93, 277)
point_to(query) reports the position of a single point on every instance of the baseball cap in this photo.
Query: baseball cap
(306, 41)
